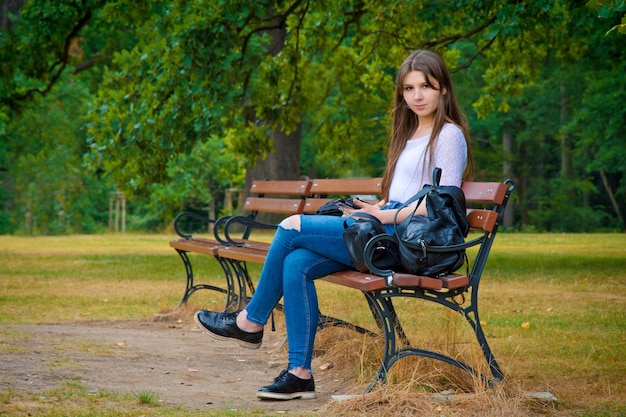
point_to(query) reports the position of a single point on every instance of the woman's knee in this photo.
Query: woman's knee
(291, 223)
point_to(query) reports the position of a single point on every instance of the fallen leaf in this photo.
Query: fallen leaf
(526, 325)
(325, 366)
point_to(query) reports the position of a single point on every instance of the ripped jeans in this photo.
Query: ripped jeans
(304, 248)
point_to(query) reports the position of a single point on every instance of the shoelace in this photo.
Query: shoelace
(282, 376)
(229, 316)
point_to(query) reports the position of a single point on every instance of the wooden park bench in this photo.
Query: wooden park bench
(486, 203)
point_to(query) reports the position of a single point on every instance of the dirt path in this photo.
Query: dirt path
(166, 355)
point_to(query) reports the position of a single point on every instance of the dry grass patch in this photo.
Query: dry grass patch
(403, 400)
(552, 305)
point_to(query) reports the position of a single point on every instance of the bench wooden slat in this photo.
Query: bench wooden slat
(348, 186)
(246, 253)
(484, 192)
(482, 219)
(311, 205)
(454, 281)
(274, 205)
(256, 245)
(357, 280)
(278, 187)
(199, 245)
(403, 280)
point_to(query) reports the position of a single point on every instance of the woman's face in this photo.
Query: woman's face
(421, 96)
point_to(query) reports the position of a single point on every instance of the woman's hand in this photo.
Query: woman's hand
(364, 207)
(385, 216)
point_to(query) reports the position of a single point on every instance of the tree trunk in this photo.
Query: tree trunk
(6, 7)
(507, 169)
(283, 163)
(567, 163)
(609, 192)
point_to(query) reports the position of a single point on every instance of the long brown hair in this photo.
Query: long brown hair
(405, 121)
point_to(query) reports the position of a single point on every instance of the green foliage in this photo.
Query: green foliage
(555, 212)
(607, 9)
(569, 112)
(43, 98)
(181, 97)
(200, 176)
(167, 94)
(35, 52)
(329, 66)
(53, 193)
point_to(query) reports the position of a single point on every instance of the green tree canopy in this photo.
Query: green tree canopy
(183, 99)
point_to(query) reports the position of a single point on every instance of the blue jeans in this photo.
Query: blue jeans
(295, 259)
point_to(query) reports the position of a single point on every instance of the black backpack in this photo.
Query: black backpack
(429, 245)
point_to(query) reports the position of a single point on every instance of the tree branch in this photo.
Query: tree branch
(295, 75)
(61, 63)
(356, 16)
(473, 57)
(85, 65)
(445, 41)
(453, 38)
(609, 192)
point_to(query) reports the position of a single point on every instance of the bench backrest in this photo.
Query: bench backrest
(284, 197)
(491, 194)
(486, 202)
(348, 186)
(491, 198)
(306, 196)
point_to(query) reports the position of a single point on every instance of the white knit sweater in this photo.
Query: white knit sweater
(450, 155)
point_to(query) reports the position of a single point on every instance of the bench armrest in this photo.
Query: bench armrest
(248, 223)
(217, 223)
(194, 216)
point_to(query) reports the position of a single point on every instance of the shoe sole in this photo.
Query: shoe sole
(242, 343)
(308, 395)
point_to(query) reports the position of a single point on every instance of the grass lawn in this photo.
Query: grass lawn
(553, 306)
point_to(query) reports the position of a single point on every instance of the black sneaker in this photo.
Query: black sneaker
(223, 326)
(287, 386)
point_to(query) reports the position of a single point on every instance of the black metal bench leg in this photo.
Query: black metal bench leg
(471, 315)
(247, 279)
(491, 360)
(191, 287)
(383, 308)
(392, 312)
(232, 275)
(385, 316)
(189, 274)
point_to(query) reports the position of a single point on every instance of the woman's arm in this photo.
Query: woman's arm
(450, 154)
(385, 216)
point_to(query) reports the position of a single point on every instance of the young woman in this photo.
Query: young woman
(428, 131)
